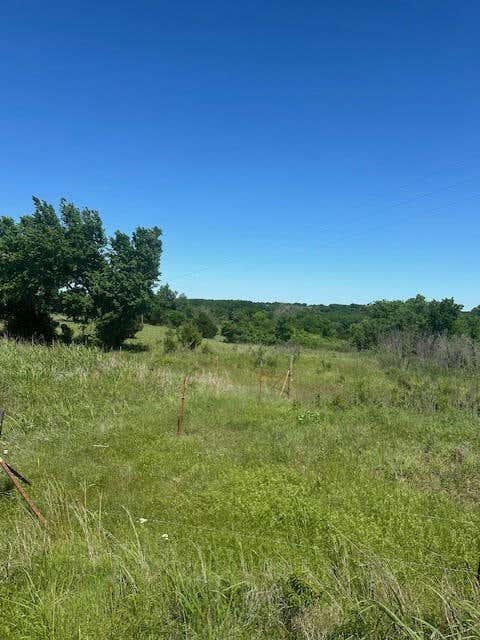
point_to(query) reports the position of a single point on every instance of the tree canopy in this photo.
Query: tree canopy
(310, 325)
(63, 263)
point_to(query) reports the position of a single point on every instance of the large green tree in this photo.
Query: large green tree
(122, 289)
(205, 324)
(86, 243)
(33, 268)
(62, 262)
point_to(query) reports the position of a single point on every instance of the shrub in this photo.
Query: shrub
(188, 335)
(263, 357)
(170, 343)
(66, 335)
(112, 329)
(206, 325)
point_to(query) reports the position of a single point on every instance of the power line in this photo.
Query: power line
(328, 243)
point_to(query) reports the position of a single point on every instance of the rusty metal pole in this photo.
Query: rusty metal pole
(289, 377)
(12, 477)
(284, 384)
(181, 407)
(260, 385)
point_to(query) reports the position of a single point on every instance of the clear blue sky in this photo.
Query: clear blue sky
(295, 151)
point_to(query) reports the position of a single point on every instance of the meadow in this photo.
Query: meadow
(349, 510)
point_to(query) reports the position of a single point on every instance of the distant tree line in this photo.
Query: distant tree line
(240, 321)
(63, 263)
(415, 316)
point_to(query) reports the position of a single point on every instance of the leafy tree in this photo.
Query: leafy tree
(232, 332)
(468, 324)
(164, 308)
(85, 242)
(205, 324)
(62, 262)
(364, 334)
(283, 329)
(443, 314)
(415, 316)
(258, 328)
(122, 289)
(34, 266)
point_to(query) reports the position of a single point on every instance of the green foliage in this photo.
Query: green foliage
(63, 263)
(33, 258)
(122, 289)
(415, 316)
(188, 335)
(170, 343)
(163, 308)
(364, 334)
(313, 326)
(314, 341)
(258, 328)
(66, 335)
(259, 322)
(205, 324)
(283, 329)
(468, 324)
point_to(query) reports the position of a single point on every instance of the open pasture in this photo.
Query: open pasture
(349, 510)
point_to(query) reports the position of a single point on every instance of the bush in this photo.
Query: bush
(66, 333)
(112, 329)
(170, 343)
(308, 340)
(188, 335)
(364, 334)
(206, 325)
(31, 324)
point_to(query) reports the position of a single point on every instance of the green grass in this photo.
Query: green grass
(349, 511)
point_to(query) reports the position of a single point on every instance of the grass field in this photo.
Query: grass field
(349, 511)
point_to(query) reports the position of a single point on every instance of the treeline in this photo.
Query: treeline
(364, 326)
(63, 263)
(255, 322)
(416, 317)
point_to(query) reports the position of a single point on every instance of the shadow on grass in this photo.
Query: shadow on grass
(136, 347)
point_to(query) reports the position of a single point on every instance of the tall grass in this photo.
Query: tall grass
(440, 351)
(348, 512)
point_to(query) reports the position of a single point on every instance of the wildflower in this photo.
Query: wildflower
(142, 520)
(164, 536)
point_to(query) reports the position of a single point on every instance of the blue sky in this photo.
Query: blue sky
(295, 151)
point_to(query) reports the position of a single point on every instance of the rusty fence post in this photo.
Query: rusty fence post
(260, 385)
(14, 478)
(290, 377)
(181, 407)
(287, 382)
(284, 385)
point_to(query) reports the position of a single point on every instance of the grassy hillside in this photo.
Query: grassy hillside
(349, 511)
